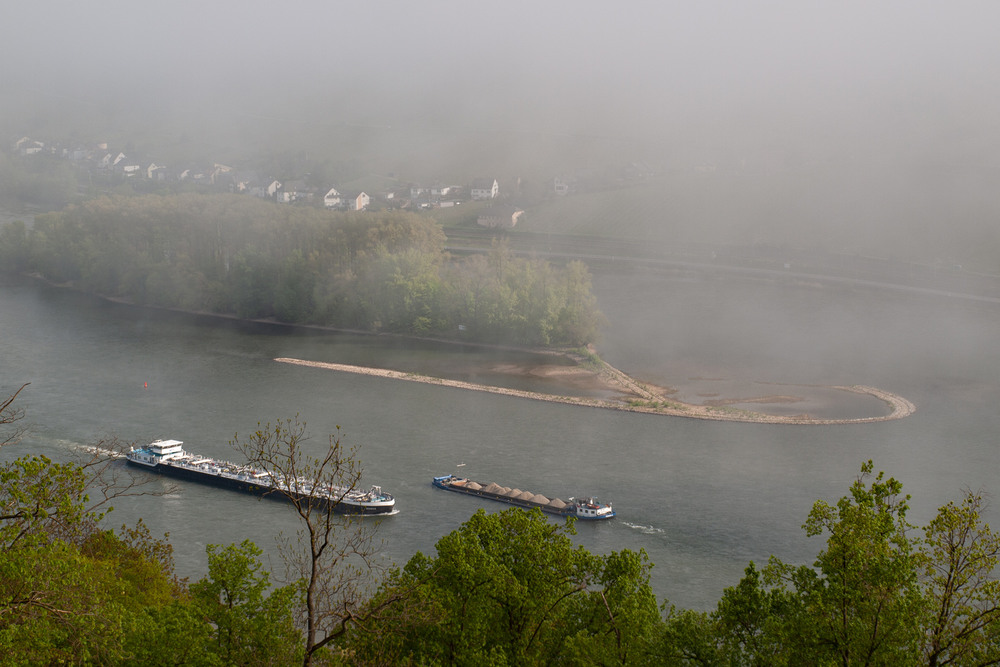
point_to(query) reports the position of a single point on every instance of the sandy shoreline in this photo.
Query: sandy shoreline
(637, 397)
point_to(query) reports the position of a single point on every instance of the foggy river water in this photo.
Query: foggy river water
(702, 498)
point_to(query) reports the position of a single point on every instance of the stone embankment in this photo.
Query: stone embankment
(646, 400)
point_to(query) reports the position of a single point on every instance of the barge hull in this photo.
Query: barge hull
(186, 474)
(569, 510)
(503, 499)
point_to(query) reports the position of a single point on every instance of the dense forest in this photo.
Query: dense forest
(508, 588)
(383, 271)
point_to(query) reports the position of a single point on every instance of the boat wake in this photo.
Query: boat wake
(645, 530)
(99, 451)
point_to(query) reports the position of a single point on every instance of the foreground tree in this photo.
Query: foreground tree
(70, 591)
(749, 620)
(251, 625)
(961, 554)
(508, 589)
(874, 595)
(335, 558)
(860, 602)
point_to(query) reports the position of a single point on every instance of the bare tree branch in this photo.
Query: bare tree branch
(335, 556)
(11, 415)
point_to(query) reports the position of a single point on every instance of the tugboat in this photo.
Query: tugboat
(168, 457)
(581, 508)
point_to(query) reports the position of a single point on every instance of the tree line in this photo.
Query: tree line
(384, 271)
(508, 588)
(42, 180)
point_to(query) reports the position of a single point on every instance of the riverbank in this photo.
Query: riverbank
(635, 396)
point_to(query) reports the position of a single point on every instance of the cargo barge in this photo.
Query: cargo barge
(168, 457)
(581, 508)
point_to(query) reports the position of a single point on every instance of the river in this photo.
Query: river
(702, 498)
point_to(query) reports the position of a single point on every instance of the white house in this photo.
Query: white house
(125, 166)
(332, 199)
(27, 146)
(362, 202)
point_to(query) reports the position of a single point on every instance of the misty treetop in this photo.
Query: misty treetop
(372, 271)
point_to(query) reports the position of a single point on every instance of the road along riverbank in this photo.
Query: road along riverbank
(636, 396)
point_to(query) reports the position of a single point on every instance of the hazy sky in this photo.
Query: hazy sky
(897, 104)
(581, 64)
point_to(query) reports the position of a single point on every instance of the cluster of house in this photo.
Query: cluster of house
(225, 178)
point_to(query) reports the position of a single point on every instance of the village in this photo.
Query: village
(114, 167)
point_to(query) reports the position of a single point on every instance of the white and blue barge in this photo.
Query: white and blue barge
(168, 457)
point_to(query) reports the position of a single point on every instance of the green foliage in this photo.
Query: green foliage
(960, 557)
(510, 588)
(863, 591)
(748, 621)
(503, 298)
(377, 271)
(686, 638)
(250, 627)
(860, 602)
(874, 596)
(618, 617)
(42, 501)
(231, 617)
(172, 635)
(70, 592)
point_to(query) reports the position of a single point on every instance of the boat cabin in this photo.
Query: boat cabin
(166, 447)
(157, 452)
